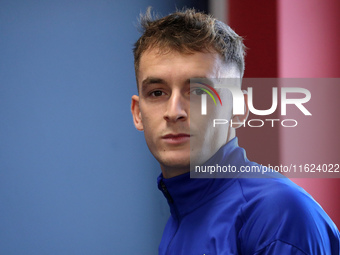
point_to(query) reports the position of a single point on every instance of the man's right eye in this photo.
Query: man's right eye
(157, 93)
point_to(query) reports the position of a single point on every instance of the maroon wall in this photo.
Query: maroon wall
(257, 24)
(308, 32)
(299, 39)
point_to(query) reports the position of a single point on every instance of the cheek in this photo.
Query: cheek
(149, 114)
(225, 111)
(204, 124)
(150, 135)
(151, 120)
(149, 125)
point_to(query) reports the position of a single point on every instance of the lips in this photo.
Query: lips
(176, 138)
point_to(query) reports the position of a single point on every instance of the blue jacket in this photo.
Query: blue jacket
(243, 215)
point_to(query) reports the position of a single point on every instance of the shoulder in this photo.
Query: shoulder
(272, 198)
(277, 210)
(280, 191)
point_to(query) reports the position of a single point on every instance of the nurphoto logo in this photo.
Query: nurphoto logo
(302, 96)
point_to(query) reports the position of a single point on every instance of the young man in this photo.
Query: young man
(218, 215)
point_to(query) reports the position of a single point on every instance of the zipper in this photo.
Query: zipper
(166, 193)
(171, 201)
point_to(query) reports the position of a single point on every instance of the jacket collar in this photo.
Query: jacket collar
(185, 194)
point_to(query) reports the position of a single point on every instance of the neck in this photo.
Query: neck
(169, 172)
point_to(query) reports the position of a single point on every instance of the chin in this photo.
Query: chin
(175, 160)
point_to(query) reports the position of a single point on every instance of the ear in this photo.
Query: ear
(238, 120)
(136, 113)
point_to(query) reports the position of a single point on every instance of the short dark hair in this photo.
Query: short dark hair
(189, 31)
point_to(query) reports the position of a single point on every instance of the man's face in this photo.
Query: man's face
(162, 109)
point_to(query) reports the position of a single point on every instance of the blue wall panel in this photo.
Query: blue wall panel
(75, 175)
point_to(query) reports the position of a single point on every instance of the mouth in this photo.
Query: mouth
(176, 138)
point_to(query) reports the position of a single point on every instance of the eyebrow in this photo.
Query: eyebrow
(202, 80)
(152, 80)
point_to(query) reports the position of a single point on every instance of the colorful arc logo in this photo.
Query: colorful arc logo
(204, 98)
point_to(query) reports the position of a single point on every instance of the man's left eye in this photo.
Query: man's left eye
(198, 91)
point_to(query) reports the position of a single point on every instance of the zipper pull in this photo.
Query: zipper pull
(166, 192)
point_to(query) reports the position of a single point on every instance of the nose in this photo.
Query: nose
(177, 108)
